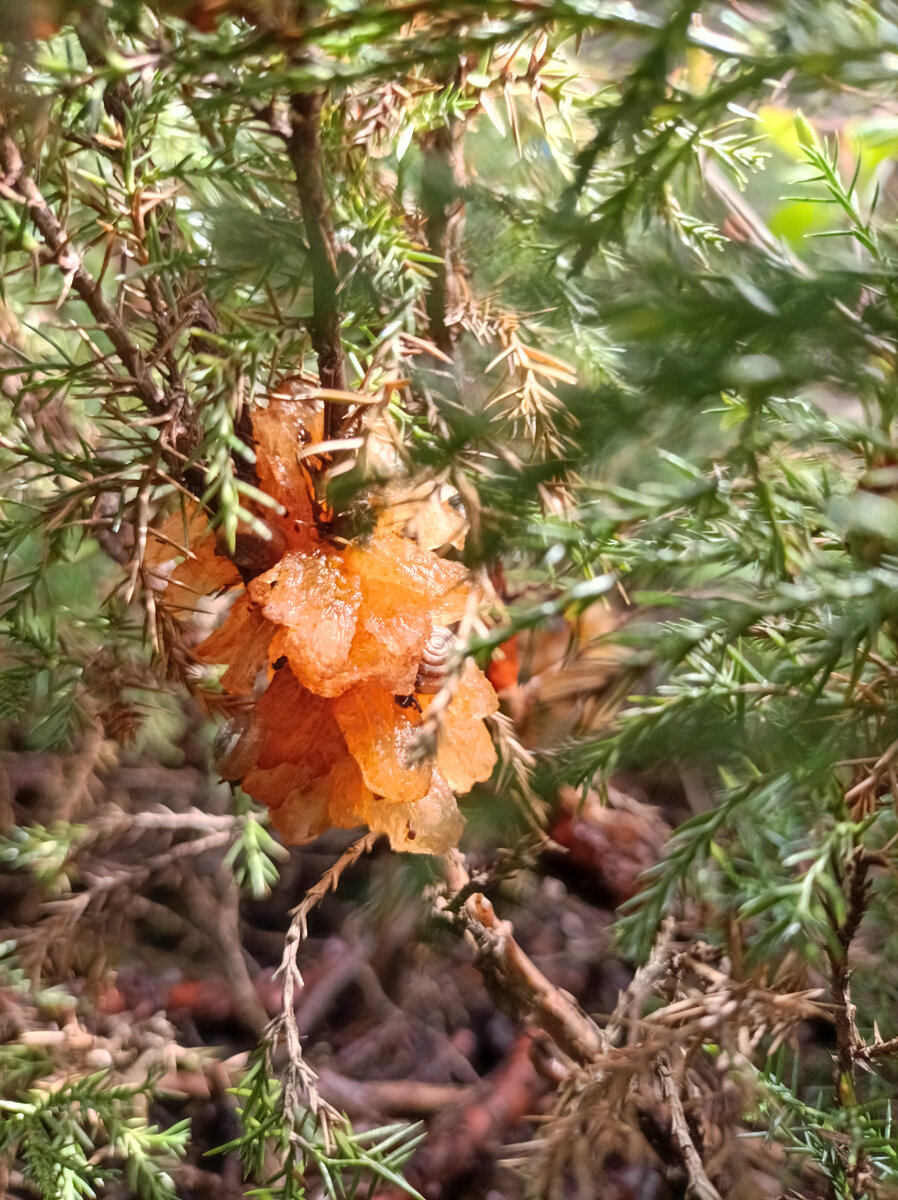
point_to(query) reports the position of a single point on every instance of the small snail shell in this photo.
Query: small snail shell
(236, 746)
(434, 665)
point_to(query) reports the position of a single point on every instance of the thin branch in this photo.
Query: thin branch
(651, 973)
(327, 883)
(393, 1097)
(304, 148)
(300, 1081)
(699, 1183)
(20, 188)
(878, 1050)
(444, 208)
(876, 773)
(849, 1042)
(192, 820)
(516, 984)
(216, 911)
(99, 885)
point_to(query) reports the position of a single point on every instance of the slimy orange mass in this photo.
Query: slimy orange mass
(326, 645)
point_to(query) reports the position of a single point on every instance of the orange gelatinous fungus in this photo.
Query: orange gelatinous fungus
(271, 786)
(431, 825)
(383, 739)
(339, 632)
(205, 572)
(475, 696)
(465, 751)
(390, 634)
(315, 600)
(241, 641)
(172, 538)
(339, 799)
(279, 431)
(426, 515)
(298, 727)
(503, 671)
(303, 815)
(202, 569)
(387, 557)
(370, 662)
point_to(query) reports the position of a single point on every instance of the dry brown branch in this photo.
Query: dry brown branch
(462, 1134)
(100, 884)
(392, 1097)
(327, 883)
(516, 984)
(870, 781)
(166, 403)
(300, 1081)
(649, 975)
(608, 1108)
(194, 820)
(59, 917)
(849, 1043)
(18, 187)
(216, 910)
(877, 1050)
(346, 969)
(699, 1183)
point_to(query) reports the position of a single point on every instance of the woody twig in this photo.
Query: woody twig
(304, 149)
(513, 979)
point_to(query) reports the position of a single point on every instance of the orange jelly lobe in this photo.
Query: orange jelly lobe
(242, 642)
(315, 601)
(383, 739)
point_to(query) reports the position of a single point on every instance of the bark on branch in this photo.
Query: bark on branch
(700, 1185)
(515, 982)
(443, 203)
(304, 148)
(849, 1043)
(18, 187)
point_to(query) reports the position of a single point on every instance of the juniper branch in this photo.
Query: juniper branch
(849, 1043)
(878, 1050)
(304, 148)
(513, 979)
(299, 1079)
(444, 210)
(699, 1183)
(19, 187)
